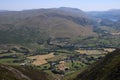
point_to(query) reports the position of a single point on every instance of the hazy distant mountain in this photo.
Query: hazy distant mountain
(110, 19)
(41, 24)
(3, 10)
(113, 14)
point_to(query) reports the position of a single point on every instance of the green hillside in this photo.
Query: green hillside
(106, 69)
(22, 73)
(41, 24)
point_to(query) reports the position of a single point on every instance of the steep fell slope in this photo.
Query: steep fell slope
(107, 69)
(22, 73)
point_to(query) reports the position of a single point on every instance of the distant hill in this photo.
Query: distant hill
(3, 10)
(109, 19)
(41, 24)
(106, 69)
(113, 14)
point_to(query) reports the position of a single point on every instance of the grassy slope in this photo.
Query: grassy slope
(22, 73)
(39, 25)
(107, 69)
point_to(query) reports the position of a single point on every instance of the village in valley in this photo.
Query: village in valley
(66, 61)
(59, 57)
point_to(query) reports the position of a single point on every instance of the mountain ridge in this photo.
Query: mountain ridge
(58, 22)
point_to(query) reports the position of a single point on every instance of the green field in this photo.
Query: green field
(73, 60)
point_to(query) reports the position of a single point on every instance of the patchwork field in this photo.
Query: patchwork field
(90, 52)
(40, 59)
(96, 52)
(109, 49)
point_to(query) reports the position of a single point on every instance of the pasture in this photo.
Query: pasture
(40, 59)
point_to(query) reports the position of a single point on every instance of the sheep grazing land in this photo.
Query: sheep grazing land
(41, 59)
